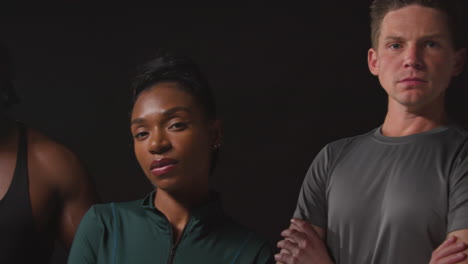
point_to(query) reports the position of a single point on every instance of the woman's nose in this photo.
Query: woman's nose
(159, 143)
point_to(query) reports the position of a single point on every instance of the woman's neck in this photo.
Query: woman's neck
(177, 208)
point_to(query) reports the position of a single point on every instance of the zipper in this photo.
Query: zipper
(174, 246)
(172, 254)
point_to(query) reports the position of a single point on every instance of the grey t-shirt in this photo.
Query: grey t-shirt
(388, 199)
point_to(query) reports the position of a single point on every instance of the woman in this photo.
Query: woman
(176, 139)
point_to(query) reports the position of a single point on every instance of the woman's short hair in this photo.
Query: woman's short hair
(181, 70)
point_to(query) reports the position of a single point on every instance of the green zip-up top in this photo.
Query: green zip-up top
(137, 233)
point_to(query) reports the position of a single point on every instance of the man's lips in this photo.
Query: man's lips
(162, 166)
(412, 80)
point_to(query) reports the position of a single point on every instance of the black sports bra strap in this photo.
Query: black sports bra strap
(22, 155)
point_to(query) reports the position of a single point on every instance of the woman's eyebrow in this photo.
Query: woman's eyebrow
(176, 109)
(166, 113)
(137, 121)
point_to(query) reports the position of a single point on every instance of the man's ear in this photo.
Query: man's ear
(460, 57)
(372, 61)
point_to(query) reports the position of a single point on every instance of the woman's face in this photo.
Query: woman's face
(173, 139)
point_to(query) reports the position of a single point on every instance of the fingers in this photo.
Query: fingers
(448, 241)
(287, 247)
(300, 239)
(300, 224)
(449, 252)
(285, 251)
(450, 249)
(304, 227)
(286, 259)
(290, 251)
(452, 259)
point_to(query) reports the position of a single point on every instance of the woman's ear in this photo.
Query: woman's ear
(217, 134)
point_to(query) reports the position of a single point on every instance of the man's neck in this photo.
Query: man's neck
(404, 121)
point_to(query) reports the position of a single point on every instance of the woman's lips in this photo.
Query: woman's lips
(162, 170)
(162, 166)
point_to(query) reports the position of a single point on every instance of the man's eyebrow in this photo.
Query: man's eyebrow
(166, 113)
(430, 36)
(393, 38)
(434, 36)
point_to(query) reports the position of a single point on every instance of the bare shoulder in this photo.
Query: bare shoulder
(51, 161)
(56, 170)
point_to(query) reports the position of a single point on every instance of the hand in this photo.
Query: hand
(302, 244)
(449, 252)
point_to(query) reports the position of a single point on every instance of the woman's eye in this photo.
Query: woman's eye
(178, 126)
(140, 135)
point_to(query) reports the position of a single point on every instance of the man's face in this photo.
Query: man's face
(415, 58)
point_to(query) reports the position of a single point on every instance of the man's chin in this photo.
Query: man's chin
(412, 100)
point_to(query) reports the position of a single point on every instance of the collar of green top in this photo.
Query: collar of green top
(206, 214)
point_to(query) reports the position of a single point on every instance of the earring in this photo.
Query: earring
(217, 144)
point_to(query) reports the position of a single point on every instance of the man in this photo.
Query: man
(394, 194)
(44, 190)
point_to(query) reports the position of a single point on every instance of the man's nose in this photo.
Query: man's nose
(414, 57)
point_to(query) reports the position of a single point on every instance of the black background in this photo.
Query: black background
(286, 80)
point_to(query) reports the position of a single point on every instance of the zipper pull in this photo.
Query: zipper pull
(172, 254)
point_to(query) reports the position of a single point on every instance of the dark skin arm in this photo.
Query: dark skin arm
(57, 178)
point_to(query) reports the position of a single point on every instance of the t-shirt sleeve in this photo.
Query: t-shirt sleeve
(458, 193)
(86, 242)
(312, 202)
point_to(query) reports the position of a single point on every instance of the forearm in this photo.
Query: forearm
(303, 243)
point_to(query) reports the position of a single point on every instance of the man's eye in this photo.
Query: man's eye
(178, 126)
(431, 44)
(395, 46)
